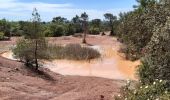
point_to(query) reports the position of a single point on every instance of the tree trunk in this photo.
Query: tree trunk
(36, 60)
(84, 38)
(85, 33)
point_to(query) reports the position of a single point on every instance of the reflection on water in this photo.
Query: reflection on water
(110, 65)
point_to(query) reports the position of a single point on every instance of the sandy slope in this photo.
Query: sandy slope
(19, 83)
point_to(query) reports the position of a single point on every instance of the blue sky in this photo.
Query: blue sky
(22, 9)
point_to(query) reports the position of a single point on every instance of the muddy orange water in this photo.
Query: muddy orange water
(111, 64)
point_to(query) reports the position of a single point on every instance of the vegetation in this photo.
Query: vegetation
(135, 28)
(155, 91)
(4, 28)
(111, 22)
(156, 62)
(1, 35)
(95, 26)
(60, 26)
(84, 19)
(72, 52)
(34, 46)
(145, 31)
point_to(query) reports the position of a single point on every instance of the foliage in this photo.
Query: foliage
(1, 35)
(94, 31)
(5, 27)
(58, 30)
(155, 91)
(59, 26)
(84, 19)
(15, 29)
(111, 22)
(59, 20)
(95, 26)
(34, 46)
(77, 24)
(25, 48)
(72, 52)
(145, 31)
(156, 63)
(136, 28)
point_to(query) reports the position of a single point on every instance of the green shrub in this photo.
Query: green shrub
(94, 31)
(57, 30)
(155, 91)
(73, 52)
(1, 35)
(25, 50)
(136, 28)
(156, 63)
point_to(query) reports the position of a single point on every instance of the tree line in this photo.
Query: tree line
(60, 26)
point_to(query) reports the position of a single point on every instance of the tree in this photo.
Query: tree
(111, 19)
(76, 19)
(77, 24)
(34, 46)
(57, 29)
(96, 23)
(84, 19)
(156, 63)
(1, 35)
(95, 26)
(143, 5)
(59, 20)
(5, 27)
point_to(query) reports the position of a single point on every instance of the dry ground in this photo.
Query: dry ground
(20, 83)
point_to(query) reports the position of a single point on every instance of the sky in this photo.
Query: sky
(15, 10)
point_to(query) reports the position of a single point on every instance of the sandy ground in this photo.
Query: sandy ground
(19, 83)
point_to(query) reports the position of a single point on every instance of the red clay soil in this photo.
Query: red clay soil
(20, 83)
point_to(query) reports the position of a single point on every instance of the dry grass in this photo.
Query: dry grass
(72, 52)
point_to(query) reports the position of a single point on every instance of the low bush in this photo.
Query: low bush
(155, 91)
(94, 31)
(1, 35)
(73, 52)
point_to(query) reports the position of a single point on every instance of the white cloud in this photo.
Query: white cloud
(16, 10)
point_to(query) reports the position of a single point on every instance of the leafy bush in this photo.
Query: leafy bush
(155, 91)
(94, 31)
(58, 30)
(1, 35)
(136, 28)
(73, 52)
(24, 50)
(156, 63)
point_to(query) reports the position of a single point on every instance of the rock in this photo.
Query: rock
(101, 97)
(16, 69)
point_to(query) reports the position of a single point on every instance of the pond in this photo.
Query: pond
(111, 65)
